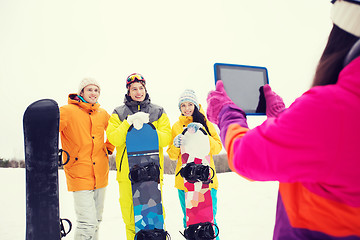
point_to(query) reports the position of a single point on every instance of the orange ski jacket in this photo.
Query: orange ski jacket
(82, 127)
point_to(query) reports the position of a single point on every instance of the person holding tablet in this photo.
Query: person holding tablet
(312, 147)
(192, 115)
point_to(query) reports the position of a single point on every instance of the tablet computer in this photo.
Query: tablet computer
(244, 85)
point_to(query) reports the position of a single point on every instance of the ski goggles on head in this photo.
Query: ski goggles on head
(135, 77)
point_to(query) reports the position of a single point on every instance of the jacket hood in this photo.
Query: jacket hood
(74, 99)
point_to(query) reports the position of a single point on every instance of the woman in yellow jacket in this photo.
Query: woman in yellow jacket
(137, 110)
(192, 112)
(82, 127)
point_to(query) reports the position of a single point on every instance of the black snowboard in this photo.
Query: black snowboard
(41, 137)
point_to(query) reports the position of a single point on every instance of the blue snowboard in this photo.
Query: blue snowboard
(143, 156)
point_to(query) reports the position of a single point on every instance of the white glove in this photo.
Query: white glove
(138, 119)
(179, 140)
(193, 127)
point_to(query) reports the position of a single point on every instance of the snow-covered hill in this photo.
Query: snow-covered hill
(246, 210)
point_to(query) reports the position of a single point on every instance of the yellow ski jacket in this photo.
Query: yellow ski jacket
(118, 128)
(175, 154)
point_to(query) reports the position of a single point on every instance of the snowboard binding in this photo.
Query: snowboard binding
(63, 232)
(150, 172)
(193, 172)
(61, 151)
(201, 231)
(152, 234)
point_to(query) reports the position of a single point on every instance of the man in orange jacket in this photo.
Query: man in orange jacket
(82, 127)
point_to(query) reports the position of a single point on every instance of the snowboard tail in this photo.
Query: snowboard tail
(197, 175)
(198, 199)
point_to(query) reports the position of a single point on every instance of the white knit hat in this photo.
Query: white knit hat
(85, 82)
(346, 15)
(188, 96)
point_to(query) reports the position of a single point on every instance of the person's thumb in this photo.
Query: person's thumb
(220, 86)
(267, 89)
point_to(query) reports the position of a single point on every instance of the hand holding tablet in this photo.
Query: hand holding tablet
(244, 85)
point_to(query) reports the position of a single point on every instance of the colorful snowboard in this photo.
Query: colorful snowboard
(194, 155)
(41, 138)
(143, 156)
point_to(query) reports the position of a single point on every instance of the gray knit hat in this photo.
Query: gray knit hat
(188, 96)
(85, 82)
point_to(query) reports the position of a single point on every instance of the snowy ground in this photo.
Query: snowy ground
(246, 210)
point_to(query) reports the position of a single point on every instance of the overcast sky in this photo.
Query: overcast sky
(47, 47)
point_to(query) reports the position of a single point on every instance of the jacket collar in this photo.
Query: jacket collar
(136, 106)
(185, 120)
(74, 99)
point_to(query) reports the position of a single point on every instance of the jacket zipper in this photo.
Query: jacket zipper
(122, 157)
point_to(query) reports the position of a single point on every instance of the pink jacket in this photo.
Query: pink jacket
(313, 150)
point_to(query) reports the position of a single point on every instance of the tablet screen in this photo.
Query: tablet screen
(243, 84)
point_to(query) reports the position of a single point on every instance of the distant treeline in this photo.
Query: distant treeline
(221, 164)
(5, 163)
